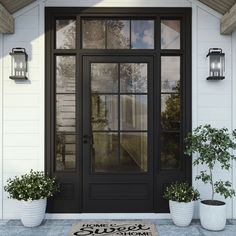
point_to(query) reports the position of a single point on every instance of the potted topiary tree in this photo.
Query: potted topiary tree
(212, 146)
(181, 198)
(32, 190)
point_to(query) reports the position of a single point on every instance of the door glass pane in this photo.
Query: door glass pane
(170, 34)
(104, 112)
(133, 151)
(104, 77)
(133, 77)
(104, 153)
(65, 113)
(118, 34)
(93, 34)
(65, 74)
(170, 111)
(65, 151)
(170, 74)
(142, 34)
(170, 151)
(65, 34)
(133, 112)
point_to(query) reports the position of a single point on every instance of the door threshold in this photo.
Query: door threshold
(109, 216)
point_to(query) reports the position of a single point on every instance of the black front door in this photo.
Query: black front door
(117, 137)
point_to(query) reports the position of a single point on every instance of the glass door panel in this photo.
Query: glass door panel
(119, 106)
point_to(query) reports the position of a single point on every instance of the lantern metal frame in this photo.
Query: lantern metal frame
(14, 52)
(216, 52)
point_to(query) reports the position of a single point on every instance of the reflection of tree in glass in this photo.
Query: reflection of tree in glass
(134, 77)
(99, 110)
(118, 34)
(66, 33)
(93, 33)
(170, 117)
(170, 120)
(66, 74)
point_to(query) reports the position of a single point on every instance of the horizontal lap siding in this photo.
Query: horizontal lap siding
(214, 98)
(22, 106)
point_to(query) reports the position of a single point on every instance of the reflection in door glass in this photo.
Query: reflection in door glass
(133, 110)
(65, 113)
(65, 74)
(122, 114)
(170, 111)
(65, 34)
(142, 35)
(93, 32)
(104, 152)
(133, 77)
(170, 74)
(104, 112)
(133, 149)
(104, 77)
(170, 151)
(65, 151)
(118, 34)
(170, 34)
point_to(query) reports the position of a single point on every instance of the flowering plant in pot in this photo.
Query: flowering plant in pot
(213, 146)
(181, 198)
(32, 190)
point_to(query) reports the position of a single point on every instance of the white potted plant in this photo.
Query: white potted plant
(32, 190)
(212, 146)
(181, 198)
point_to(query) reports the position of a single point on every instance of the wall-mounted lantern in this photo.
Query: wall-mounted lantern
(19, 59)
(216, 64)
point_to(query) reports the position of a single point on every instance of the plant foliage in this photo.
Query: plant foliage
(32, 186)
(213, 146)
(181, 192)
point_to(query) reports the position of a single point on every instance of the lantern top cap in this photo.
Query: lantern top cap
(18, 51)
(215, 51)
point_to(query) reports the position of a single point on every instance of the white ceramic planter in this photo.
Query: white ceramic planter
(181, 212)
(213, 217)
(33, 212)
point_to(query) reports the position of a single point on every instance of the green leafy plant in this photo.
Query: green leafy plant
(32, 186)
(181, 192)
(212, 146)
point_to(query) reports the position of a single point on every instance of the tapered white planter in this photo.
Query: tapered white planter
(33, 212)
(181, 212)
(213, 217)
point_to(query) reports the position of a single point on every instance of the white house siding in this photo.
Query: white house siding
(22, 104)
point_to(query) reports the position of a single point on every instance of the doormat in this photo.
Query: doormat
(118, 228)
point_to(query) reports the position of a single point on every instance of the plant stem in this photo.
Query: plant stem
(212, 185)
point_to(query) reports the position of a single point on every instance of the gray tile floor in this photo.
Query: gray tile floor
(62, 227)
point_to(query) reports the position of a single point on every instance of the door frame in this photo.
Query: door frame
(166, 176)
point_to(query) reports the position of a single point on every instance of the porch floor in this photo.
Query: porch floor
(62, 228)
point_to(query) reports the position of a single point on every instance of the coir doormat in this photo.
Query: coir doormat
(118, 228)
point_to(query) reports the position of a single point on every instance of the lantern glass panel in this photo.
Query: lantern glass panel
(216, 65)
(19, 64)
